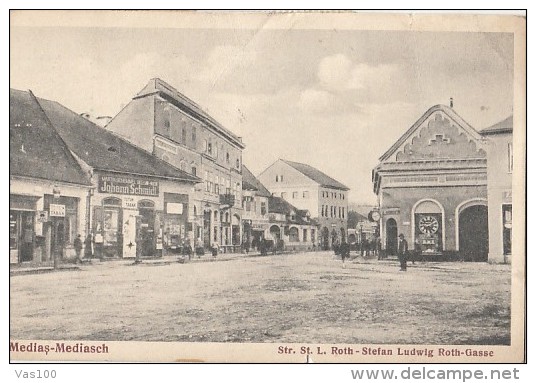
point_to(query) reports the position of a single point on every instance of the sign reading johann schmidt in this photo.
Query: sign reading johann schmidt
(242, 147)
(127, 186)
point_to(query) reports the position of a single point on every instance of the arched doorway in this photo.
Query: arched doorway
(325, 238)
(293, 235)
(275, 231)
(391, 231)
(333, 237)
(473, 233)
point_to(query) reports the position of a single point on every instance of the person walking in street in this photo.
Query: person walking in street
(78, 248)
(88, 243)
(344, 249)
(402, 252)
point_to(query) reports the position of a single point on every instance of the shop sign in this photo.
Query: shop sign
(57, 210)
(42, 216)
(129, 203)
(127, 185)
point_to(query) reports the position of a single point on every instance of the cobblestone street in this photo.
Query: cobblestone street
(303, 297)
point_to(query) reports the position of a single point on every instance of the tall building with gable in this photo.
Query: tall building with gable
(174, 128)
(432, 187)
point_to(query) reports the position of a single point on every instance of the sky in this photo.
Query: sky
(335, 99)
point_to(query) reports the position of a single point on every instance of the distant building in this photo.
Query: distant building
(48, 189)
(290, 227)
(500, 167)
(163, 121)
(310, 189)
(255, 219)
(432, 187)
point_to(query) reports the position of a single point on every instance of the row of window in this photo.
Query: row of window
(294, 235)
(219, 185)
(295, 195)
(333, 211)
(334, 195)
(249, 204)
(212, 150)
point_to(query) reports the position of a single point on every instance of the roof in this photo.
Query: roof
(158, 86)
(250, 182)
(504, 126)
(36, 150)
(316, 175)
(103, 150)
(443, 108)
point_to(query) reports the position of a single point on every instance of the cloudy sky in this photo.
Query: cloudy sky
(335, 99)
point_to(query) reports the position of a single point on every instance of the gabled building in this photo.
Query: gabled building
(432, 187)
(48, 189)
(500, 156)
(168, 124)
(309, 189)
(138, 204)
(255, 219)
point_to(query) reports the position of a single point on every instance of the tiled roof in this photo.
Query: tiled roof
(316, 175)
(280, 206)
(161, 87)
(103, 150)
(505, 126)
(250, 182)
(36, 150)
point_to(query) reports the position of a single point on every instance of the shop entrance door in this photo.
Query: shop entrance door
(146, 232)
(57, 240)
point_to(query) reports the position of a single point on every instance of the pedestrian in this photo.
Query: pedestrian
(78, 248)
(199, 249)
(215, 249)
(379, 247)
(88, 243)
(344, 249)
(402, 252)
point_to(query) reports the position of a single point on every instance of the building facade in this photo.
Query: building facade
(161, 120)
(48, 190)
(310, 189)
(138, 204)
(432, 187)
(291, 228)
(500, 168)
(255, 219)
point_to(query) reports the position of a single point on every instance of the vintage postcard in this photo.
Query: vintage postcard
(287, 187)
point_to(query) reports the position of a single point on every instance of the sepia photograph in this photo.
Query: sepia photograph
(267, 186)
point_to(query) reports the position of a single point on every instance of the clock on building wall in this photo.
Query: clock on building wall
(428, 224)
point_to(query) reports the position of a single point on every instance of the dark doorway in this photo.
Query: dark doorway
(325, 238)
(391, 230)
(146, 233)
(58, 237)
(473, 233)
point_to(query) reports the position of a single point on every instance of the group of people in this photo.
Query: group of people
(88, 246)
(402, 251)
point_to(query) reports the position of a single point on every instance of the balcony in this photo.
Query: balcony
(227, 199)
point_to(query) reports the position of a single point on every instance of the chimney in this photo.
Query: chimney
(451, 102)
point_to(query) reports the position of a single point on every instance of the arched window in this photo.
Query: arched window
(111, 201)
(293, 235)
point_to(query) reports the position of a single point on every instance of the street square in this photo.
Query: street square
(291, 298)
